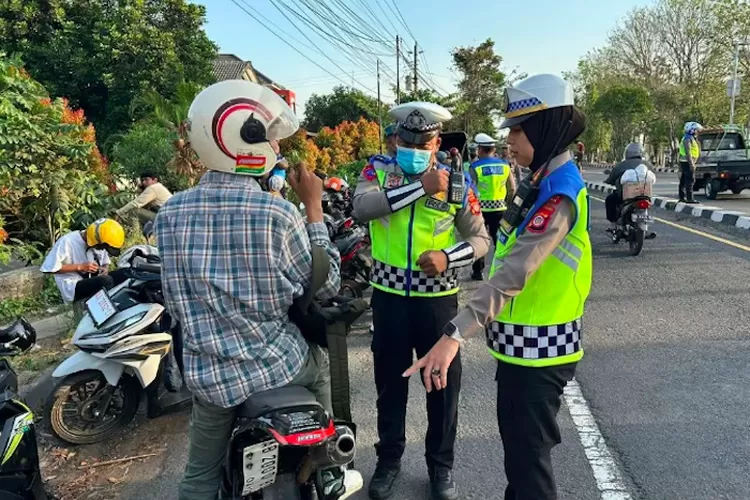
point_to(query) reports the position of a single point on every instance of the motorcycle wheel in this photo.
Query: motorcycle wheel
(285, 488)
(71, 410)
(636, 241)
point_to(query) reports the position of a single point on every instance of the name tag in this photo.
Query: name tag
(493, 170)
(393, 180)
(437, 204)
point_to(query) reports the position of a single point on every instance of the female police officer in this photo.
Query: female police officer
(531, 308)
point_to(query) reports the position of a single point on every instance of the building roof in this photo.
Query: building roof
(229, 67)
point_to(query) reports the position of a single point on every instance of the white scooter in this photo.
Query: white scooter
(124, 339)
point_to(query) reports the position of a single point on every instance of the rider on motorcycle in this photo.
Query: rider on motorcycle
(234, 258)
(634, 157)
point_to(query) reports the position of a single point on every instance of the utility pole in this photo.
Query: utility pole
(415, 67)
(380, 118)
(733, 91)
(398, 74)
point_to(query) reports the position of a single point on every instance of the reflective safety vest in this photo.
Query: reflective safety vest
(492, 176)
(399, 239)
(695, 150)
(541, 326)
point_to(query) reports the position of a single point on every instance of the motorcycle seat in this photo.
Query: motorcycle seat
(282, 398)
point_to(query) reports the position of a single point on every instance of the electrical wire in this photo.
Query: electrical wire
(246, 11)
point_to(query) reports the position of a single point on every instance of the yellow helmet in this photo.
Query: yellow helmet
(106, 234)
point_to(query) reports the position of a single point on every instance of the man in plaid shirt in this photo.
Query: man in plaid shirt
(234, 258)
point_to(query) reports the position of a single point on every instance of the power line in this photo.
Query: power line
(282, 39)
(273, 2)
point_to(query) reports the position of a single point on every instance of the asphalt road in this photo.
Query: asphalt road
(665, 375)
(667, 185)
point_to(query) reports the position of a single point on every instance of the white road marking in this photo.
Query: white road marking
(607, 475)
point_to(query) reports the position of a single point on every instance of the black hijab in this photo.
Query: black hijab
(543, 129)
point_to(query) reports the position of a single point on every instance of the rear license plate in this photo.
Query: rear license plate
(260, 463)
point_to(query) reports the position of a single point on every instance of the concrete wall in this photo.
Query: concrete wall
(21, 283)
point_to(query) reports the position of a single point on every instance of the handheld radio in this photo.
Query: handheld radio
(456, 180)
(528, 191)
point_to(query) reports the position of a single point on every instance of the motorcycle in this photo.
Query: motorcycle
(632, 225)
(124, 341)
(285, 446)
(20, 478)
(353, 244)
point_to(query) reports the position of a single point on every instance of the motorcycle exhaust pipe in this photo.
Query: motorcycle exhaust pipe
(339, 450)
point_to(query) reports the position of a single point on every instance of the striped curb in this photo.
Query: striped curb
(667, 170)
(715, 214)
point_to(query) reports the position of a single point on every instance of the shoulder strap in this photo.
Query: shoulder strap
(320, 267)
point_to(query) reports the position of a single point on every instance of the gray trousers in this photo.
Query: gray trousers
(211, 426)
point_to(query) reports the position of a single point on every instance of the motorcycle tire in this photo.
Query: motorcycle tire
(636, 241)
(129, 391)
(285, 488)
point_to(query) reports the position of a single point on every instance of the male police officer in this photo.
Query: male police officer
(540, 279)
(689, 152)
(495, 182)
(415, 277)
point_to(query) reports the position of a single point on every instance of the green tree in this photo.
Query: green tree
(50, 167)
(101, 54)
(147, 147)
(343, 104)
(480, 88)
(626, 108)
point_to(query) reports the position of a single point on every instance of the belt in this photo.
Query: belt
(534, 342)
(395, 278)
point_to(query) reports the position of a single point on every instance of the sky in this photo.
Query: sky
(542, 36)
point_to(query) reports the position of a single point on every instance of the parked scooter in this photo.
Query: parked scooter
(20, 478)
(125, 339)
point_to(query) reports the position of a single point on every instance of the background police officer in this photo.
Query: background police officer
(415, 280)
(689, 152)
(495, 182)
(390, 140)
(542, 266)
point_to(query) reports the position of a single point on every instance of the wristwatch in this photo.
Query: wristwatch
(451, 331)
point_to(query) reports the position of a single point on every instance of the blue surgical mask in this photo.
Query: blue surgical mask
(413, 161)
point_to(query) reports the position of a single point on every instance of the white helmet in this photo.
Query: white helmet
(231, 123)
(693, 127)
(536, 93)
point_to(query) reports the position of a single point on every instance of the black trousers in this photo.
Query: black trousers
(528, 400)
(404, 325)
(687, 179)
(85, 288)
(492, 221)
(612, 205)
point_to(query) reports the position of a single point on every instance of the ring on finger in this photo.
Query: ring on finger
(435, 372)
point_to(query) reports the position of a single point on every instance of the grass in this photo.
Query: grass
(31, 307)
(47, 353)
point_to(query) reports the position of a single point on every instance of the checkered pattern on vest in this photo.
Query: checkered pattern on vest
(395, 278)
(490, 204)
(534, 342)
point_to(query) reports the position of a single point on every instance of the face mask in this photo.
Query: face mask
(413, 161)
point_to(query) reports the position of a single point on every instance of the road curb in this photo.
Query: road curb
(714, 214)
(666, 170)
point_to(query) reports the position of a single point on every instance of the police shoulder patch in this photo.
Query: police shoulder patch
(540, 219)
(369, 172)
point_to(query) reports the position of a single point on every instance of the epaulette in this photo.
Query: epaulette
(377, 160)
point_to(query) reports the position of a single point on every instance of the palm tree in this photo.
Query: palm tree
(173, 114)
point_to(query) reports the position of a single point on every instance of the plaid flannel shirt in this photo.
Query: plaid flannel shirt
(233, 260)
